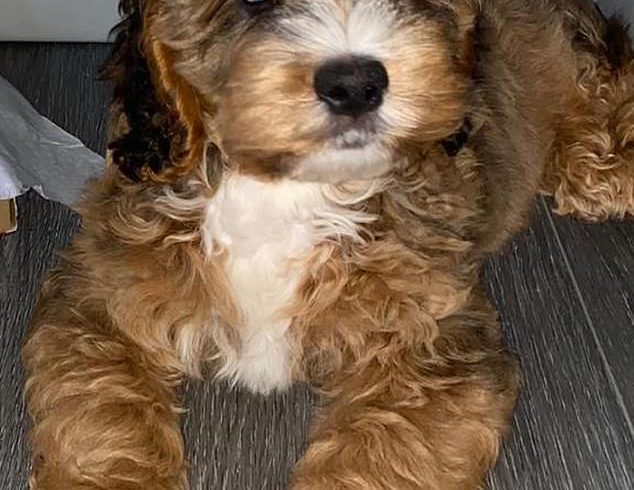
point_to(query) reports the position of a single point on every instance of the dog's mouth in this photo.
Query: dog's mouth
(354, 138)
(354, 134)
(352, 151)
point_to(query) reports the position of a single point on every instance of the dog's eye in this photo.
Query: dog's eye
(256, 3)
(258, 6)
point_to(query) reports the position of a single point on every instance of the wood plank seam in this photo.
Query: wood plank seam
(586, 313)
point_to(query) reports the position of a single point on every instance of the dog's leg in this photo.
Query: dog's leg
(403, 420)
(591, 174)
(103, 416)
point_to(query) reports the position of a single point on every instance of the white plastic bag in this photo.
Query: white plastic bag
(36, 153)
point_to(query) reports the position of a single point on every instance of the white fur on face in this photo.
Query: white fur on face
(332, 28)
(267, 229)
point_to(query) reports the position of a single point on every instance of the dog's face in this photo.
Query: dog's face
(320, 90)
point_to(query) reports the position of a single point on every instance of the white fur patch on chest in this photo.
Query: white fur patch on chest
(267, 229)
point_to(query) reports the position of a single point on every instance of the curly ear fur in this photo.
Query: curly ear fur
(155, 133)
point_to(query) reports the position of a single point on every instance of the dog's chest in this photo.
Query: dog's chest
(267, 230)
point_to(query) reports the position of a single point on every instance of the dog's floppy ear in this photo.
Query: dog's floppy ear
(500, 135)
(156, 131)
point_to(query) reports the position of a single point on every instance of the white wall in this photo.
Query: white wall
(57, 20)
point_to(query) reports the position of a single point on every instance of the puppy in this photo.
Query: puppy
(305, 191)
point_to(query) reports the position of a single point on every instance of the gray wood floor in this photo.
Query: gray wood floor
(565, 291)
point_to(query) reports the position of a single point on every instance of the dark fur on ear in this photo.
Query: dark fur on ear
(145, 132)
(605, 37)
(618, 43)
(508, 131)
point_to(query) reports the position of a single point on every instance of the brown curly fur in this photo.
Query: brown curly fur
(591, 173)
(393, 329)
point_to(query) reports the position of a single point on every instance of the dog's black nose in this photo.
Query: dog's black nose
(351, 86)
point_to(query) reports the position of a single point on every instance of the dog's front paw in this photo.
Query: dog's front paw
(318, 471)
(324, 482)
